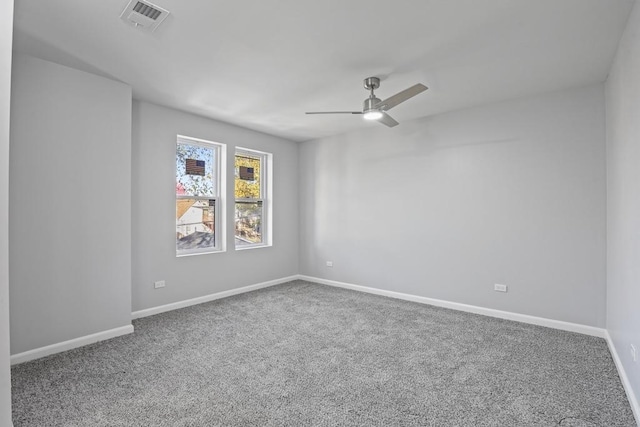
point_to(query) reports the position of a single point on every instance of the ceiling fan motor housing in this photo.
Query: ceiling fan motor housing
(370, 103)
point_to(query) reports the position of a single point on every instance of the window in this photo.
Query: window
(253, 199)
(199, 207)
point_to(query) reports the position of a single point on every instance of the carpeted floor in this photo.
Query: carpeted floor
(301, 354)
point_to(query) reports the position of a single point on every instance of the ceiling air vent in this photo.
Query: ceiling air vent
(145, 15)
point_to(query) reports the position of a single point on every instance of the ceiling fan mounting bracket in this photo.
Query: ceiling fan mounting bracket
(371, 83)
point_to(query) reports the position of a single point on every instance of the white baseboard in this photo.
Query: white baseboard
(186, 303)
(550, 323)
(37, 353)
(631, 396)
(524, 318)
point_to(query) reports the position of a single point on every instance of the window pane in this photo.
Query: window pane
(247, 177)
(195, 173)
(248, 223)
(195, 224)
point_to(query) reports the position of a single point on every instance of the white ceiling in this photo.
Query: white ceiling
(262, 63)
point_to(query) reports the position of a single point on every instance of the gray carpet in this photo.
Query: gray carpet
(301, 354)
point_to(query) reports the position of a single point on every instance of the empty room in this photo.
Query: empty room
(320, 213)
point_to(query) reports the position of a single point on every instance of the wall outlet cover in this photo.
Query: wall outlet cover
(500, 288)
(329, 263)
(159, 284)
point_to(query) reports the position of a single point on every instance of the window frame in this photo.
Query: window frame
(219, 180)
(266, 166)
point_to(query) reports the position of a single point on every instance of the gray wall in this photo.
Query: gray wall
(70, 204)
(154, 258)
(6, 32)
(623, 199)
(447, 206)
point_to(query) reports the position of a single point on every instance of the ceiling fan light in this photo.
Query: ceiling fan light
(372, 115)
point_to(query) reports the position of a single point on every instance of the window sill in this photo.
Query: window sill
(200, 253)
(244, 248)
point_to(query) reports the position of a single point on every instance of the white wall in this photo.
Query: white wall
(70, 165)
(154, 258)
(623, 200)
(444, 207)
(6, 32)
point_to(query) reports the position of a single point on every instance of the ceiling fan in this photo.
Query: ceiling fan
(374, 108)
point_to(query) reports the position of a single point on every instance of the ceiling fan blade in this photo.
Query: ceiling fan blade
(333, 112)
(399, 97)
(388, 120)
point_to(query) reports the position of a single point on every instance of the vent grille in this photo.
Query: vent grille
(146, 10)
(144, 15)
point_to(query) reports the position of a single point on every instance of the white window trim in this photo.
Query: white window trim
(266, 190)
(220, 154)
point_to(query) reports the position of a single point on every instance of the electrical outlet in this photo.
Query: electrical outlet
(634, 354)
(329, 263)
(500, 288)
(159, 284)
